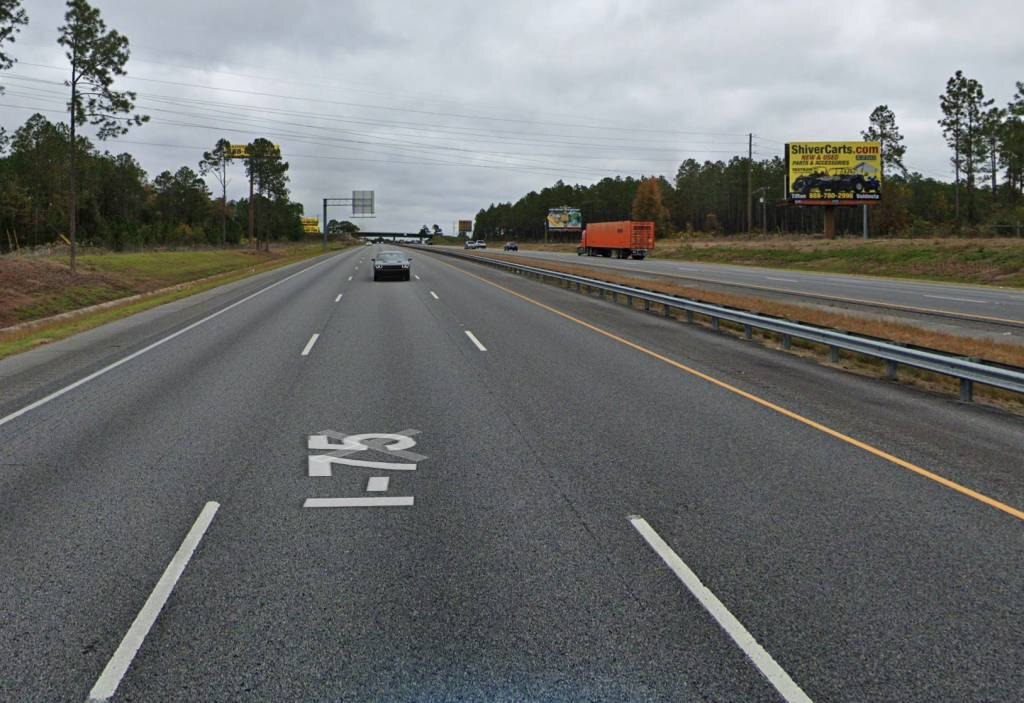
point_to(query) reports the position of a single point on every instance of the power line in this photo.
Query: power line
(342, 103)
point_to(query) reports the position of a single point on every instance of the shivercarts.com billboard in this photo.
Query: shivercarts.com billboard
(834, 173)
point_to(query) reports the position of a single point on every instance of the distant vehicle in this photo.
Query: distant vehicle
(470, 244)
(391, 264)
(620, 240)
(511, 246)
(481, 244)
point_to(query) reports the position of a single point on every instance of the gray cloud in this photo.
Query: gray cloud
(491, 100)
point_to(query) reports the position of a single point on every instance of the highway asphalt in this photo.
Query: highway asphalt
(572, 466)
(989, 311)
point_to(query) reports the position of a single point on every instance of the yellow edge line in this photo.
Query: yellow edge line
(931, 476)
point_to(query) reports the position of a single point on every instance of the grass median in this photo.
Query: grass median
(41, 302)
(979, 261)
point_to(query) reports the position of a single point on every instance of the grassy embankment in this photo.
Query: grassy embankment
(38, 288)
(980, 261)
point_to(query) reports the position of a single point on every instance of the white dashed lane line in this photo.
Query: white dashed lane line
(757, 654)
(118, 665)
(474, 340)
(309, 344)
(435, 295)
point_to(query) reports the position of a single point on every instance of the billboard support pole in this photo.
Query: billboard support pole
(830, 222)
(865, 209)
(325, 224)
(750, 194)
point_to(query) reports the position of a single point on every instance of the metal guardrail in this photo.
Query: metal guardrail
(966, 370)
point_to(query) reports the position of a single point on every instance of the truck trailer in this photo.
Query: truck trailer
(620, 240)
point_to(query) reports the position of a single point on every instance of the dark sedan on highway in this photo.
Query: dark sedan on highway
(391, 264)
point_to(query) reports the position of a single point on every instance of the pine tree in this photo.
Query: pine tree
(97, 57)
(882, 128)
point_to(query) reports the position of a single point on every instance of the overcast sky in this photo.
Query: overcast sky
(443, 107)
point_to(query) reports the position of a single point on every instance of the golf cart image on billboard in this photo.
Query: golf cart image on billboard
(836, 183)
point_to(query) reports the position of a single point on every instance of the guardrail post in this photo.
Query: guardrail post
(833, 354)
(629, 300)
(748, 332)
(647, 306)
(890, 370)
(689, 316)
(966, 390)
(666, 310)
(714, 324)
(787, 341)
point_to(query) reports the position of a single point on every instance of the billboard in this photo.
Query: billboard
(311, 225)
(362, 203)
(241, 151)
(565, 219)
(465, 226)
(834, 173)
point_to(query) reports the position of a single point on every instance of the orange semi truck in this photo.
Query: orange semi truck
(621, 240)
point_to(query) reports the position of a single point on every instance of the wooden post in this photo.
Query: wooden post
(830, 222)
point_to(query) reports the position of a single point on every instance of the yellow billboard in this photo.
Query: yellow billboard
(834, 173)
(311, 225)
(241, 151)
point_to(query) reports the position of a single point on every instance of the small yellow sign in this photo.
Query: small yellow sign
(241, 151)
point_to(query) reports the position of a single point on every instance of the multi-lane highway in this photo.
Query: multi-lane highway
(990, 311)
(572, 501)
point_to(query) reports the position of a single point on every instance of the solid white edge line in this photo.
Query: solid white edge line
(472, 338)
(96, 374)
(435, 295)
(309, 344)
(338, 299)
(118, 665)
(757, 654)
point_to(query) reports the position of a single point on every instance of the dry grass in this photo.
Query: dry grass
(72, 321)
(1010, 354)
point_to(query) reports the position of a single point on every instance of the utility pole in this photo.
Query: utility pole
(325, 224)
(252, 212)
(750, 170)
(764, 215)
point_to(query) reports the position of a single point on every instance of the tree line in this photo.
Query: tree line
(120, 207)
(985, 197)
(55, 184)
